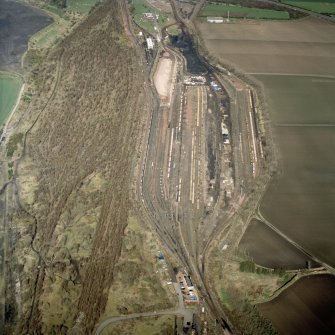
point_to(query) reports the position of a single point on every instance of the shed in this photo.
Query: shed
(216, 19)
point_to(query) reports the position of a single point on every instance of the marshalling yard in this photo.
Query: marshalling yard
(203, 152)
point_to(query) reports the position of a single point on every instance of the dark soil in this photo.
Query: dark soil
(307, 307)
(269, 249)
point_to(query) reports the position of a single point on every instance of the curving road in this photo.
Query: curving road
(180, 311)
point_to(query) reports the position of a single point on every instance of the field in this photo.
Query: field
(301, 111)
(140, 7)
(300, 201)
(264, 247)
(48, 36)
(9, 89)
(305, 46)
(81, 6)
(307, 307)
(64, 20)
(304, 100)
(324, 7)
(294, 61)
(243, 12)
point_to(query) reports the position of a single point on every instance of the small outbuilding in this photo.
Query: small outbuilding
(216, 19)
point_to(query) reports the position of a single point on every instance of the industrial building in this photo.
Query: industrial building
(188, 290)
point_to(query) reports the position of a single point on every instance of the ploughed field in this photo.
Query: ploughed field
(270, 250)
(307, 307)
(304, 46)
(300, 201)
(295, 62)
(17, 23)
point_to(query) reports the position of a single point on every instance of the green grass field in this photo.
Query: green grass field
(315, 6)
(9, 89)
(243, 12)
(48, 36)
(81, 6)
(140, 7)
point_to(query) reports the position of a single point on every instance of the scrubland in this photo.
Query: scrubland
(74, 175)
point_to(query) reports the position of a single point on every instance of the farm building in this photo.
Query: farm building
(217, 19)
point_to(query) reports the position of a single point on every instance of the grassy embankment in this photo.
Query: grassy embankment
(323, 7)
(141, 6)
(236, 11)
(10, 85)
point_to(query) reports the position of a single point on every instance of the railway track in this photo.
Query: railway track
(159, 204)
(162, 215)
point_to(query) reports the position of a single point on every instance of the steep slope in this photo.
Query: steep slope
(74, 177)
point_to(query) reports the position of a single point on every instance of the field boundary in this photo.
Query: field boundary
(290, 74)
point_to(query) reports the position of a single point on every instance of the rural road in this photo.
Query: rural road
(180, 311)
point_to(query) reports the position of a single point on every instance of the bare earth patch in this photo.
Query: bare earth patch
(163, 78)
